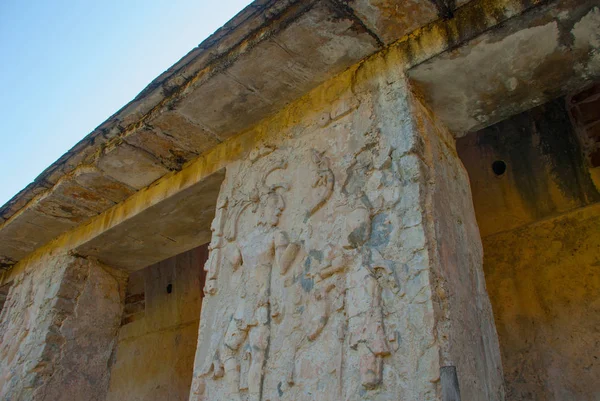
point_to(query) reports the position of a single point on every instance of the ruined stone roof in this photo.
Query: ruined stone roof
(172, 139)
(268, 55)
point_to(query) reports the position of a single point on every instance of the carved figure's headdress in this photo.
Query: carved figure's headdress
(257, 194)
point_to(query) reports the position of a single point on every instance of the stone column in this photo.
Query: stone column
(58, 329)
(346, 262)
(469, 352)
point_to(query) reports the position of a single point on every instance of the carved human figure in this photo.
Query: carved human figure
(371, 339)
(260, 250)
(223, 253)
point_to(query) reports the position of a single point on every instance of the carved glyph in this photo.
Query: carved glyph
(324, 181)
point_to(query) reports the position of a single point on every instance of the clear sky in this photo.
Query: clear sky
(66, 66)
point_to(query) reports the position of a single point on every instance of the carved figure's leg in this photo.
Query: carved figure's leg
(233, 339)
(371, 367)
(259, 340)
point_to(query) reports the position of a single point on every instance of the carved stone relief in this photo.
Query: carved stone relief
(301, 307)
(324, 181)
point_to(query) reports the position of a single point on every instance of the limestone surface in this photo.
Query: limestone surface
(58, 329)
(336, 270)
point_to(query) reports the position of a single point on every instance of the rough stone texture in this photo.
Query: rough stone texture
(154, 357)
(133, 167)
(464, 314)
(545, 174)
(4, 294)
(544, 285)
(58, 329)
(324, 276)
(72, 201)
(135, 298)
(539, 221)
(390, 20)
(551, 51)
(93, 179)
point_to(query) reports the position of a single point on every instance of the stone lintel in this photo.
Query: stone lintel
(177, 224)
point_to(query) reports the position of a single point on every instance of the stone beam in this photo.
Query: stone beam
(155, 223)
(546, 53)
(179, 223)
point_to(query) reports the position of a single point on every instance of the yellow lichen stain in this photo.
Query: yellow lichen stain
(543, 280)
(595, 175)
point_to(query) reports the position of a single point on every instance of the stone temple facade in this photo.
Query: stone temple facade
(326, 200)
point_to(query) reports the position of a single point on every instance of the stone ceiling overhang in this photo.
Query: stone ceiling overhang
(552, 51)
(266, 57)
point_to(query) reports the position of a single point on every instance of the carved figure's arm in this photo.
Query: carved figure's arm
(234, 256)
(285, 253)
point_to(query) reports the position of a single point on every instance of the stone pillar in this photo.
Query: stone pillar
(58, 330)
(346, 262)
(469, 352)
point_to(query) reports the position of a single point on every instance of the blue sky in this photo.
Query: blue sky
(67, 66)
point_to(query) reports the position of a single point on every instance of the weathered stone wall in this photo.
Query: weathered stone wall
(543, 171)
(325, 279)
(540, 221)
(156, 346)
(58, 330)
(464, 317)
(544, 284)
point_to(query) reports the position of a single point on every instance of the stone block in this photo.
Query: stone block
(21, 199)
(29, 230)
(187, 135)
(273, 72)
(278, 71)
(12, 251)
(392, 20)
(93, 179)
(69, 193)
(55, 345)
(162, 147)
(225, 106)
(131, 166)
(327, 44)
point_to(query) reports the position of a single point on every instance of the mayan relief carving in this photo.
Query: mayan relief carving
(241, 356)
(318, 291)
(324, 181)
(370, 340)
(299, 272)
